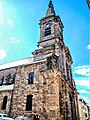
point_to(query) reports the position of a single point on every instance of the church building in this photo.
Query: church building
(41, 87)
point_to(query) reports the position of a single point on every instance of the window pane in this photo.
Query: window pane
(31, 78)
(29, 103)
(47, 26)
(47, 30)
(4, 103)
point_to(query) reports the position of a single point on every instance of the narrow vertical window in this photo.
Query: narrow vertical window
(47, 30)
(29, 103)
(49, 62)
(14, 76)
(4, 103)
(31, 78)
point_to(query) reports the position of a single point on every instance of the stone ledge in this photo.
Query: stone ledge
(6, 87)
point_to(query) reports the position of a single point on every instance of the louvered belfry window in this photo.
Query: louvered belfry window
(47, 30)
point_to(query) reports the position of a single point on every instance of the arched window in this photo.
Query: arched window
(4, 103)
(29, 103)
(47, 29)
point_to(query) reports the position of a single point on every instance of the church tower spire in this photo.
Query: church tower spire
(50, 25)
(50, 10)
(51, 31)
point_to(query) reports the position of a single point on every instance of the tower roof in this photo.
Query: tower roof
(50, 11)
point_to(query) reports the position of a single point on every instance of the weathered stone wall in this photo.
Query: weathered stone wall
(7, 76)
(50, 93)
(45, 91)
(83, 109)
(2, 95)
(6, 87)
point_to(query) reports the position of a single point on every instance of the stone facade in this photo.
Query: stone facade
(7, 78)
(52, 94)
(83, 110)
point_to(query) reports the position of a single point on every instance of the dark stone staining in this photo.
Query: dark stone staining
(52, 62)
(7, 77)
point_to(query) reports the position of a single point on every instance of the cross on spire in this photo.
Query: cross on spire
(50, 10)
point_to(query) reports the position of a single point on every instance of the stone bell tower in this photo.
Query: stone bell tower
(51, 47)
(51, 33)
(51, 40)
(50, 25)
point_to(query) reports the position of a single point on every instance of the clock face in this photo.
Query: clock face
(47, 26)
